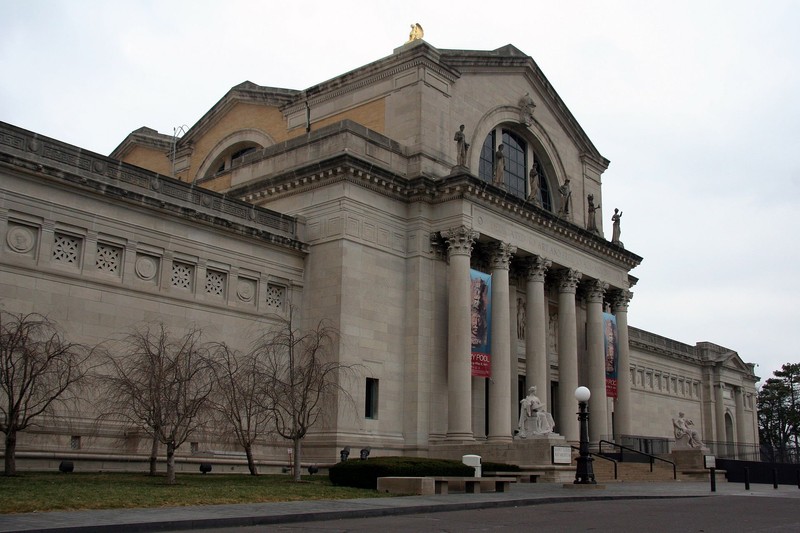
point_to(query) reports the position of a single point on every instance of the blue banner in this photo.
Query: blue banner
(481, 315)
(611, 353)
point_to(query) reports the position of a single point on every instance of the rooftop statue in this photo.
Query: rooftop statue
(591, 223)
(615, 232)
(416, 33)
(461, 147)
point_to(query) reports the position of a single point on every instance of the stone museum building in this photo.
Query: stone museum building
(374, 200)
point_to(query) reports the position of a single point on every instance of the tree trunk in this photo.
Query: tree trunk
(171, 463)
(11, 450)
(153, 457)
(251, 464)
(296, 459)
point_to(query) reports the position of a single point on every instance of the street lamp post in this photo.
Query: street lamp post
(584, 474)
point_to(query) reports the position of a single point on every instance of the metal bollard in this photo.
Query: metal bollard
(746, 478)
(713, 479)
(774, 478)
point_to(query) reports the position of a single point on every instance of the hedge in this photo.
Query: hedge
(364, 474)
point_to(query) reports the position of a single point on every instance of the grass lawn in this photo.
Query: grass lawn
(35, 491)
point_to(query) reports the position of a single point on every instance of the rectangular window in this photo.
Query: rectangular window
(75, 442)
(371, 402)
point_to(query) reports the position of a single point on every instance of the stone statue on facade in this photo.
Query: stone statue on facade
(615, 231)
(499, 166)
(566, 198)
(526, 107)
(416, 33)
(461, 147)
(591, 223)
(533, 419)
(534, 186)
(685, 434)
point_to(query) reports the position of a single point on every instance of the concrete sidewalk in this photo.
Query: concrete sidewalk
(217, 516)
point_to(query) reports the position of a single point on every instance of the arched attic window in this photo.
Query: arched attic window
(225, 160)
(519, 156)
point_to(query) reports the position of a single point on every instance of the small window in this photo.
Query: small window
(371, 403)
(75, 442)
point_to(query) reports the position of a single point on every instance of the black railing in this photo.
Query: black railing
(651, 458)
(600, 457)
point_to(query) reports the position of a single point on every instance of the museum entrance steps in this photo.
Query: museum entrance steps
(630, 471)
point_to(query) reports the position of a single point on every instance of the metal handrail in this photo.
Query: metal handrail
(652, 457)
(601, 457)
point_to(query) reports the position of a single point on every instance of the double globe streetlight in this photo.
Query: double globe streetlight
(584, 474)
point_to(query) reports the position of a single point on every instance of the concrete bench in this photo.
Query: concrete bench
(406, 485)
(471, 485)
(524, 476)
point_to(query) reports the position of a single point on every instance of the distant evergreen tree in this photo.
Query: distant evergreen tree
(779, 414)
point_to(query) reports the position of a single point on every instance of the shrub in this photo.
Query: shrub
(499, 467)
(365, 474)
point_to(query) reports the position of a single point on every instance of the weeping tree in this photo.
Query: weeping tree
(161, 384)
(39, 370)
(242, 412)
(301, 377)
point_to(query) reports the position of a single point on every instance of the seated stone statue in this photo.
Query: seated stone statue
(685, 434)
(533, 419)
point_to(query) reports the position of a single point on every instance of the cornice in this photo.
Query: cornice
(368, 174)
(45, 158)
(422, 55)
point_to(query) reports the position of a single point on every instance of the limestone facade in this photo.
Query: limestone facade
(346, 200)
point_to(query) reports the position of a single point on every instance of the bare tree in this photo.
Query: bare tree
(301, 377)
(38, 370)
(160, 384)
(240, 401)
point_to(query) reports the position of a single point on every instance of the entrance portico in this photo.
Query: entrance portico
(578, 301)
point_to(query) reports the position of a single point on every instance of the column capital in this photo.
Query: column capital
(595, 289)
(500, 254)
(536, 267)
(460, 240)
(568, 280)
(620, 299)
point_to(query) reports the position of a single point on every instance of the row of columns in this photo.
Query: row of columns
(460, 243)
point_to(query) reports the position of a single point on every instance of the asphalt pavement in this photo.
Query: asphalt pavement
(259, 514)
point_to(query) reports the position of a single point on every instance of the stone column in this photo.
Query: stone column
(719, 407)
(567, 423)
(741, 436)
(499, 392)
(536, 321)
(459, 347)
(622, 407)
(598, 404)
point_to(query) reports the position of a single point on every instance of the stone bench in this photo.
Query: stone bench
(406, 485)
(524, 476)
(471, 485)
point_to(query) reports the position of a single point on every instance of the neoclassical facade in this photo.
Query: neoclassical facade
(357, 201)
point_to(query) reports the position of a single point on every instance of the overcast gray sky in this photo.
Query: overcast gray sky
(696, 104)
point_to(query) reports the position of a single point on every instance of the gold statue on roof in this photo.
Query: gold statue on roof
(416, 33)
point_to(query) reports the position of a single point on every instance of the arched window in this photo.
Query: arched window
(224, 161)
(519, 156)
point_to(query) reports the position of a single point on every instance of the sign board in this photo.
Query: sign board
(562, 455)
(710, 461)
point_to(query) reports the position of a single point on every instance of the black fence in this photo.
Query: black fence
(759, 472)
(721, 450)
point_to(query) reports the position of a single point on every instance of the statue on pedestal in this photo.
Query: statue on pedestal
(533, 419)
(592, 219)
(615, 231)
(461, 147)
(685, 434)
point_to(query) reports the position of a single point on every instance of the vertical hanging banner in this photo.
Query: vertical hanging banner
(611, 353)
(481, 314)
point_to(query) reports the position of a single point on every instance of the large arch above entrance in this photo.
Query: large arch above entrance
(503, 122)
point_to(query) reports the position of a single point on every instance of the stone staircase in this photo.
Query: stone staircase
(629, 471)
